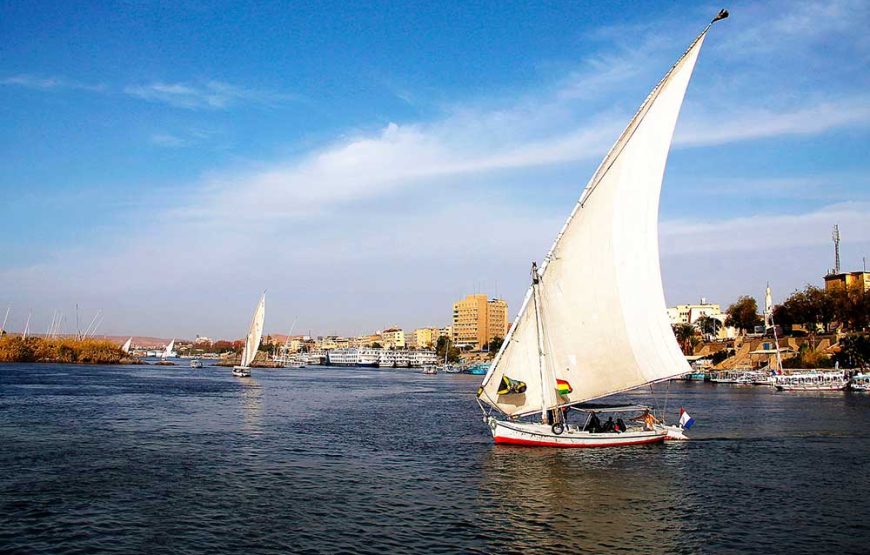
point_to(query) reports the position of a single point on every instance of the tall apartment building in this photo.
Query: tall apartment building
(478, 319)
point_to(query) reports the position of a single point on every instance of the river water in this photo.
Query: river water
(148, 459)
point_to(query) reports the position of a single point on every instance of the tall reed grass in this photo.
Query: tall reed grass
(69, 350)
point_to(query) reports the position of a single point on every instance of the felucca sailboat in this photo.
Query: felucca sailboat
(252, 341)
(593, 322)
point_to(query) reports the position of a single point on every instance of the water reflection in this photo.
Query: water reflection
(548, 499)
(251, 394)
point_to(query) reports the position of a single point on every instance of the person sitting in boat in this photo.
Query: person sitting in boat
(608, 426)
(620, 425)
(649, 421)
(594, 424)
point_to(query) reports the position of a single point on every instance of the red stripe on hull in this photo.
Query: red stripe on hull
(533, 443)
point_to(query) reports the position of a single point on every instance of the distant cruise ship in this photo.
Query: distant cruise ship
(383, 358)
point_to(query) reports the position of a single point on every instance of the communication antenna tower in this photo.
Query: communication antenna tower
(836, 237)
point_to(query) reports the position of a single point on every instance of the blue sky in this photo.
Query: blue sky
(370, 163)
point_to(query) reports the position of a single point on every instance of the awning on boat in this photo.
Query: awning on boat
(770, 351)
(601, 407)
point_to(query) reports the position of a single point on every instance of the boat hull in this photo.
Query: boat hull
(835, 387)
(540, 435)
(241, 372)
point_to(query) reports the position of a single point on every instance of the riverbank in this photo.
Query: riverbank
(62, 350)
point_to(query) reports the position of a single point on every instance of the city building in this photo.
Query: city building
(848, 280)
(691, 313)
(478, 319)
(393, 338)
(422, 338)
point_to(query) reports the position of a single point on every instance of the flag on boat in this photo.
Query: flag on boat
(511, 387)
(686, 421)
(563, 387)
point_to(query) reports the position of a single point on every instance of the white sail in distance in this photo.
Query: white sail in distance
(255, 333)
(167, 352)
(127, 345)
(600, 298)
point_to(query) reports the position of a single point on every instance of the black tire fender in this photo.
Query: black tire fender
(558, 428)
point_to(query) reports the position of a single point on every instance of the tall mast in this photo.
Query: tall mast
(536, 280)
(769, 300)
(3, 327)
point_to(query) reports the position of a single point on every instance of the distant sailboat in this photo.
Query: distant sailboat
(167, 353)
(593, 322)
(127, 345)
(252, 341)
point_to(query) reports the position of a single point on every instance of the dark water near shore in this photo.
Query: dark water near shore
(173, 460)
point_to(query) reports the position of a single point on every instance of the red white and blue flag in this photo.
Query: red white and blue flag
(686, 421)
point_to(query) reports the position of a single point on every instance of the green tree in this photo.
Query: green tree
(494, 345)
(783, 317)
(851, 306)
(443, 345)
(854, 352)
(685, 334)
(812, 307)
(743, 314)
(708, 325)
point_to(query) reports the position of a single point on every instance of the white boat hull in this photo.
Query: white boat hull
(831, 387)
(241, 372)
(541, 435)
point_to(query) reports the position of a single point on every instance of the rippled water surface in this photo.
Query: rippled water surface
(175, 460)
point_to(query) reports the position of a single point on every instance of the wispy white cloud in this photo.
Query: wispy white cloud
(37, 82)
(766, 232)
(828, 188)
(211, 95)
(749, 123)
(182, 138)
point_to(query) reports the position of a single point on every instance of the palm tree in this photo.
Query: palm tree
(708, 325)
(685, 333)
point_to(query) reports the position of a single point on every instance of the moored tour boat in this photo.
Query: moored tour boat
(812, 381)
(860, 382)
(196, 363)
(594, 322)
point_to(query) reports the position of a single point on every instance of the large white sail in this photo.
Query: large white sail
(603, 320)
(127, 345)
(255, 333)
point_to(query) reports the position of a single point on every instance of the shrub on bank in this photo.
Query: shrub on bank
(38, 349)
